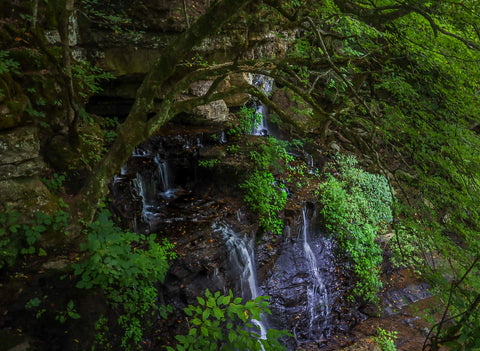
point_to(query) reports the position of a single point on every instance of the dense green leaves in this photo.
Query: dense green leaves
(356, 207)
(265, 194)
(219, 323)
(126, 267)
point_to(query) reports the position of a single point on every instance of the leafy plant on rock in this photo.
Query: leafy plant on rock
(356, 206)
(265, 194)
(386, 339)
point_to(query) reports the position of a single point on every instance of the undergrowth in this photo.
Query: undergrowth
(356, 207)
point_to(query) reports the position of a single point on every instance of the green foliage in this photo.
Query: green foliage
(7, 64)
(37, 305)
(126, 267)
(356, 206)
(221, 322)
(104, 16)
(233, 149)
(209, 163)
(88, 78)
(386, 339)
(266, 195)
(247, 121)
(406, 248)
(69, 312)
(196, 60)
(272, 155)
(56, 182)
(19, 235)
(109, 129)
(102, 333)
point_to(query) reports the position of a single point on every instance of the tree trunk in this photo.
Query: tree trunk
(63, 29)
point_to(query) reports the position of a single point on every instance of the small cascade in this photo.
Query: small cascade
(310, 163)
(242, 258)
(318, 300)
(163, 171)
(265, 85)
(153, 185)
(223, 138)
(146, 189)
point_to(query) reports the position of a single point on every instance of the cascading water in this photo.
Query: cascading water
(265, 85)
(153, 185)
(318, 300)
(242, 257)
(146, 189)
(167, 191)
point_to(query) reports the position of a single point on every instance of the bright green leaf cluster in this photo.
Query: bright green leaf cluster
(222, 322)
(266, 195)
(356, 206)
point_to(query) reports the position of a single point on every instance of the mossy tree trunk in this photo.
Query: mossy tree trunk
(66, 13)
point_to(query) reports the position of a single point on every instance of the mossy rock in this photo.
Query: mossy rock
(78, 159)
(27, 196)
(12, 104)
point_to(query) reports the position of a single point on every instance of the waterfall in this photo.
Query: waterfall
(242, 258)
(153, 184)
(317, 294)
(265, 85)
(146, 189)
(163, 172)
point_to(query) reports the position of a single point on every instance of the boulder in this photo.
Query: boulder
(27, 195)
(216, 111)
(19, 153)
(236, 80)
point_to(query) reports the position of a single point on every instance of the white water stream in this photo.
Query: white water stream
(318, 300)
(155, 186)
(242, 257)
(265, 85)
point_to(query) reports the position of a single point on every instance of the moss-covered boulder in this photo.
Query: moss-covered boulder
(27, 195)
(19, 153)
(77, 157)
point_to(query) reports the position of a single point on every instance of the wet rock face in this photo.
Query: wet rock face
(312, 310)
(189, 219)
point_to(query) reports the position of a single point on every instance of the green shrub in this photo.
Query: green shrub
(266, 197)
(19, 235)
(88, 78)
(386, 339)
(220, 322)
(126, 266)
(56, 182)
(265, 194)
(356, 206)
(272, 155)
(209, 163)
(247, 120)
